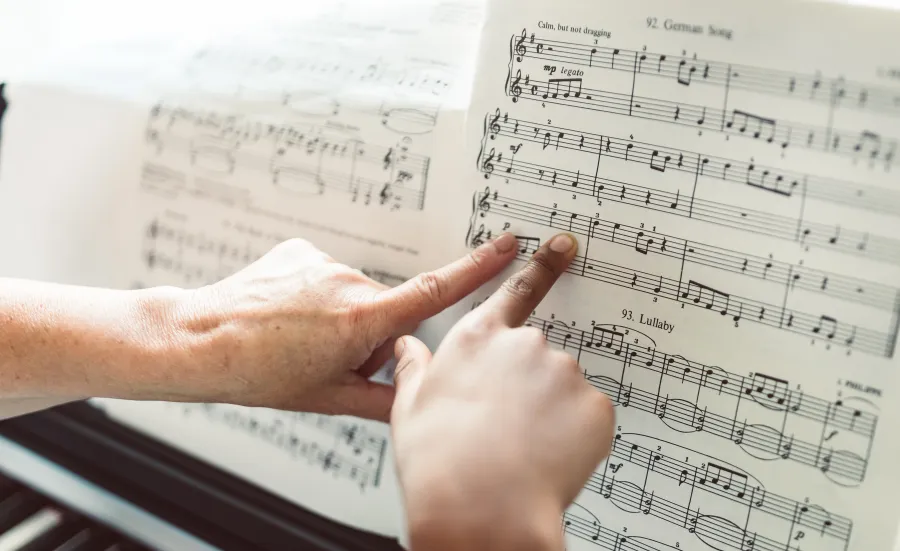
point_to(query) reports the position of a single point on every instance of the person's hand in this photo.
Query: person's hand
(496, 434)
(297, 330)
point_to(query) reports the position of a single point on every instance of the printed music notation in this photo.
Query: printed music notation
(195, 257)
(572, 92)
(644, 241)
(759, 192)
(306, 161)
(312, 58)
(691, 292)
(683, 490)
(661, 158)
(687, 71)
(504, 148)
(346, 450)
(689, 396)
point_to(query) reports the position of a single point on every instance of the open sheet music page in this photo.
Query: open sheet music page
(325, 124)
(730, 170)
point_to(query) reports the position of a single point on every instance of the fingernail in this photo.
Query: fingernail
(562, 243)
(505, 242)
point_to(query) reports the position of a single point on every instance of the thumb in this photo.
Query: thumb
(365, 399)
(412, 358)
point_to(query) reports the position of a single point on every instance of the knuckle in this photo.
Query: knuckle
(532, 336)
(403, 368)
(565, 365)
(604, 407)
(431, 287)
(569, 363)
(476, 260)
(542, 264)
(470, 330)
(525, 284)
(296, 244)
(521, 285)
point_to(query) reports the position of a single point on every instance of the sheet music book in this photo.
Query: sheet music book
(729, 169)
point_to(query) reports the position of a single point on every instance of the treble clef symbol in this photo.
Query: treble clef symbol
(494, 125)
(515, 88)
(520, 46)
(478, 238)
(487, 166)
(483, 205)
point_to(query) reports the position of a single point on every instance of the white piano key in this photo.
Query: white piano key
(81, 495)
(29, 529)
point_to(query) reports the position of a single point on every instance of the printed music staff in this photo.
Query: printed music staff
(699, 293)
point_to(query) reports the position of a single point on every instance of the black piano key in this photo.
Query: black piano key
(92, 538)
(127, 545)
(69, 527)
(7, 487)
(18, 507)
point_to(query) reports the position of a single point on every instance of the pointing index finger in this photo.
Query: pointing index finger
(519, 295)
(430, 293)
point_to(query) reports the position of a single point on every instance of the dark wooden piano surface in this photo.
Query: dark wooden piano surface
(215, 507)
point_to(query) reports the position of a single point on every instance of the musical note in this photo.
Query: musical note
(749, 119)
(528, 245)
(714, 295)
(557, 81)
(681, 79)
(829, 323)
(654, 164)
(515, 149)
(869, 143)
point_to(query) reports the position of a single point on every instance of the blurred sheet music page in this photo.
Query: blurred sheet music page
(314, 123)
(731, 175)
(729, 169)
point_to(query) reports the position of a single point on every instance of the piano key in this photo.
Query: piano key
(69, 526)
(7, 487)
(93, 538)
(32, 527)
(18, 507)
(127, 546)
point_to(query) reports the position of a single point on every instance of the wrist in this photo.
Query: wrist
(180, 343)
(148, 346)
(445, 517)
